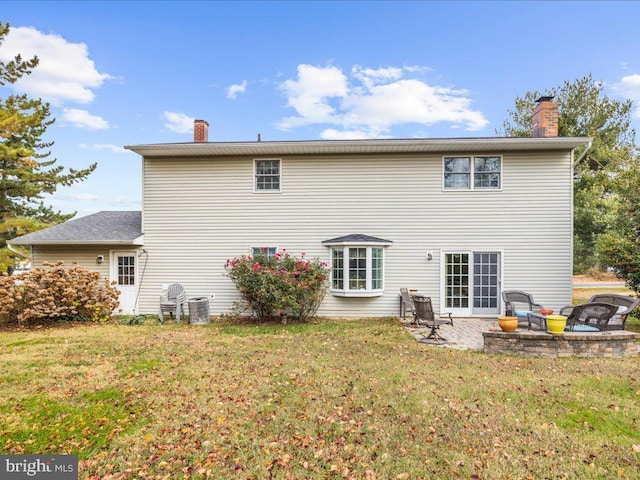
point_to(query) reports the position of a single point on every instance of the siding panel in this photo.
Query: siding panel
(199, 212)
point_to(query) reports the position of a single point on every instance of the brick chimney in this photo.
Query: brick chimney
(200, 131)
(544, 120)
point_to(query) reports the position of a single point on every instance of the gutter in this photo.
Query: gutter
(17, 252)
(584, 153)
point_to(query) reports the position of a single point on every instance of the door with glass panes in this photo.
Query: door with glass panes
(471, 283)
(124, 271)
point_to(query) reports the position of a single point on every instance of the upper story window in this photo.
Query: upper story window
(267, 176)
(268, 252)
(472, 173)
(357, 265)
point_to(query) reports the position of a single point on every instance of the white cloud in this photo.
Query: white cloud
(372, 101)
(178, 122)
(309, 95)
(82, 197)
(104, 146)
(65, 72)
(629, 87)
(234, 90)
(333, 134)
(370, 77)
(83, 119)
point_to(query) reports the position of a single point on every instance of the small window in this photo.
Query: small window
(472, 173)
(486, 172)
(267, 252)
(267, 175)
(457, 172)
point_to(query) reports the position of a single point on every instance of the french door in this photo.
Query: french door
(471, 283)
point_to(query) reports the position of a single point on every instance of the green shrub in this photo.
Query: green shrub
(56, 293)
(279, 285)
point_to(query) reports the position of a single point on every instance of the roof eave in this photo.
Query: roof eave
(319, 147)
(139, 241)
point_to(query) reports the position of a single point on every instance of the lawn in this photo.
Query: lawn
(330, 399)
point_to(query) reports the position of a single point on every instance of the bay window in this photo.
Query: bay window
(357, 266)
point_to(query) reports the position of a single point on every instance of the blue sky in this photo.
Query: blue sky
(126, 73)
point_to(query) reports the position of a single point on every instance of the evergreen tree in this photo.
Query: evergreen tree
(620, 249)
(584, 111)
(26, 171)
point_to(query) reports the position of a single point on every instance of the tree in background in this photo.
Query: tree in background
(620, 249)
(26, 172)
(584, 111)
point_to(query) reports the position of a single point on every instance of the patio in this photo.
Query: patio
(485, 335)
(464, 334)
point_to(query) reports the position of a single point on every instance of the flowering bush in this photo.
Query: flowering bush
(279, 285)
(56, 293)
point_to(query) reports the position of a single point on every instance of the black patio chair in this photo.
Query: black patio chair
(520, 304)
(589, 317)
(406, 303)
(424, 316)
(625, 305)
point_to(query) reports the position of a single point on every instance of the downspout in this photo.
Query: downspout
(17, 252)
(584, 153)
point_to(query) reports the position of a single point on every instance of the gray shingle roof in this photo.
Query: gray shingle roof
(355, 238)
(117, 228)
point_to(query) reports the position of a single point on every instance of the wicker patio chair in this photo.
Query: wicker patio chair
(589, 317)
(521, 304)
(173, 302)
(424, 316)
(625, 305)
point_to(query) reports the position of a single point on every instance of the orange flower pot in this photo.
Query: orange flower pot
(508, 324)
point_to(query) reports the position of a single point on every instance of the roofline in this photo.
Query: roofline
(357, 146)
(136, 241)
(351, 243)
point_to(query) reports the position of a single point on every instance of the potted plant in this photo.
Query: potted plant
(508, 324)
(556, 324)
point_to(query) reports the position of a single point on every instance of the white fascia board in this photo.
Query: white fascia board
(137, 241)
(340, 147)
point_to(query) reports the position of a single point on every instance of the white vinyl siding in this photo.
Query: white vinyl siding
(199, 212)
(81, 255)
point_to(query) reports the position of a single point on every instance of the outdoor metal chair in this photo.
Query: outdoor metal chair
(520, 304)
(424, 316)
(173, 302)
(406, 303)
(589, 317)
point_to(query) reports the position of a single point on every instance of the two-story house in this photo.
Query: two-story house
(458, 219)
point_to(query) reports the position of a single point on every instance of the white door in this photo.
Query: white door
(124, 271)
(486, 283)
(471, 283)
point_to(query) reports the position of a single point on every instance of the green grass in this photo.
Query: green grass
(330, 399)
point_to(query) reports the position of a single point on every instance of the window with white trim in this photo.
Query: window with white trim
(267, 175)
(357, 270)
(472, 173)
(267, 252)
